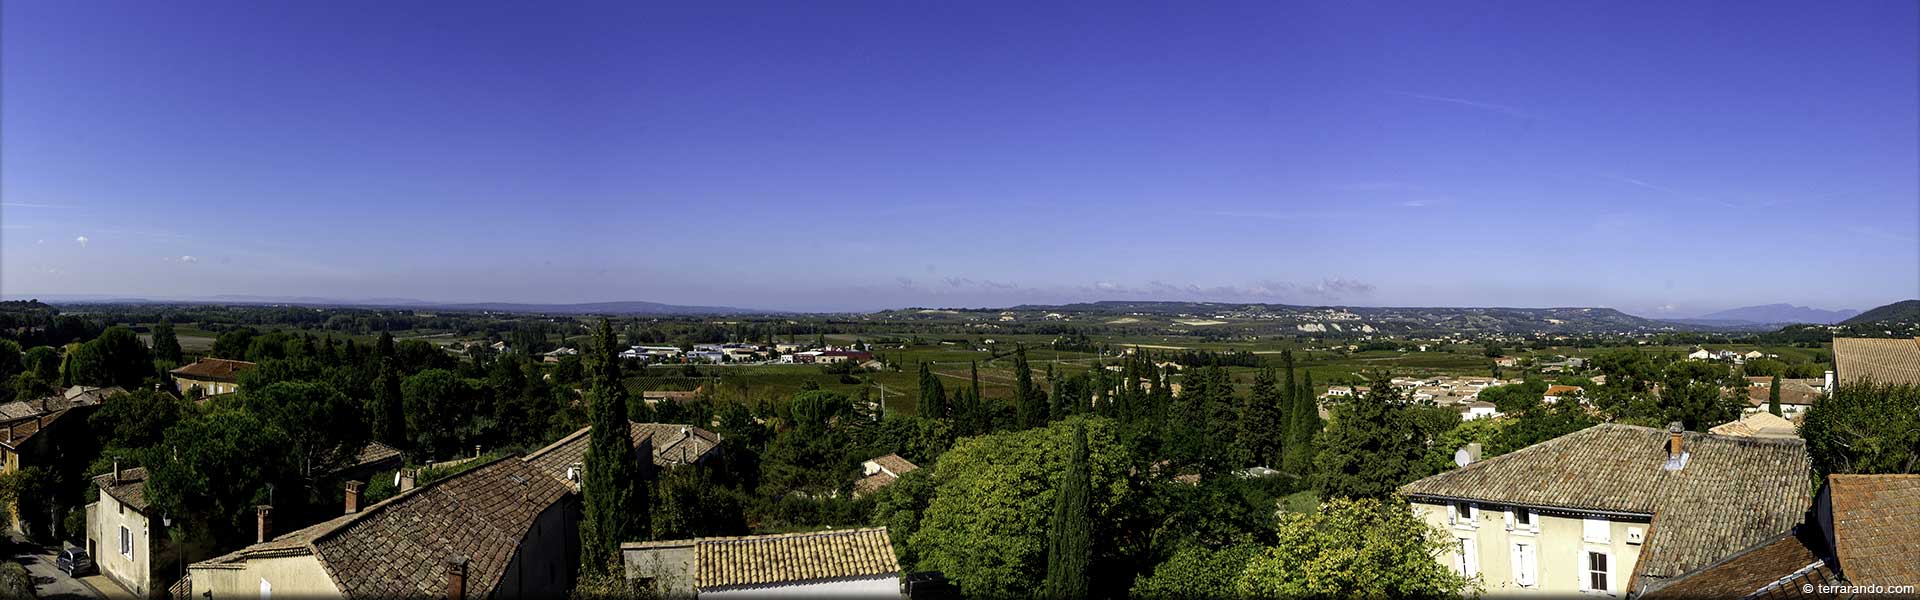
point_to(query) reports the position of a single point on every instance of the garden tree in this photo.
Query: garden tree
(1865, 428)
(1773, 396)
(43, 362)
(115, 358)
(987, 524)
(1361, 548)
(1197, 573)
(1210, 513)
(324, 429)
(1513, 398)
(383, 347)
(386, 410)
(1372, 446)
(1494, 350)
(233, 343)
(440, 413)
(1029, 403)
(1534, 421)
(1262, 429)
(136, 419)
(970, 415)
(1070, 534)
(31, 491)
(812, 457)
(933, 394)
(688, 503)
(10, 359)
(1693, 393)
(920, 440)
(568, 371)
(210, 471)
(1306, 429)
(899, 507)
(166, 345)
(1628, 369)
(1439, 455)
(613, 489)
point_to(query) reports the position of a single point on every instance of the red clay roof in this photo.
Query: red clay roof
(1876, 523)
(1776, 568)
(213, 369)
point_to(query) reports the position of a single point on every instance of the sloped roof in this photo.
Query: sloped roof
(1876, 522)
(1757, 424)
(872, 483)
(894, 464)
(131, 490)
(792, 558)
(1790, 393)
(1556, 390)
(1732, 493)
(213, 369)
(375, 453)
(1880, 360)
(1775, 568)
(400, 547)
(672, 445)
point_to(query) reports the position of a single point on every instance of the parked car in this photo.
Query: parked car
(75, 562)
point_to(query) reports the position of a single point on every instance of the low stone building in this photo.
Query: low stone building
(211, 376)
(853, 563)
(128, 545)
(504, 530)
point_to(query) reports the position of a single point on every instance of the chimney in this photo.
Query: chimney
(457, 578)
(264, 513)
(116, 470)
(476, 451)
(407, 477)
(353, 497)
(1676, 446)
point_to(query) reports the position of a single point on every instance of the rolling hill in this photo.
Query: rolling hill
(1777, 314)
(1904, 311)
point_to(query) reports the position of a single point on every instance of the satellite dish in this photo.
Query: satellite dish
(1461, 457)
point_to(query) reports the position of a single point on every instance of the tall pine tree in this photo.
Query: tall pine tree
(613, 491)
(387, 411)
(1070, 535)
(1306, 426)
(1263, 429)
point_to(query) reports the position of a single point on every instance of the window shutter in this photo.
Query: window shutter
(1510, 520)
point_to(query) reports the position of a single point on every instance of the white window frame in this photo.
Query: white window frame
(126, 542)
(1586, 570)
(1603, 527)
(1531, 527)
(1471, 520)
(266, 589)
(1466, 557)
(1525, 566)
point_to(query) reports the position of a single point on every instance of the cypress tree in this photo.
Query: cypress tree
(1030, 409)
(1070, 535)
(384, 347)
(616, 505)
(1773, 396)
(166, 345)
(933, 394)
(1306, 425)
(388, 413)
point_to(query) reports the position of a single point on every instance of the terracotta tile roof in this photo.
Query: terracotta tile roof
(1776, 568)
(132, 489)
(1876, 522)
(1881, 360)
(213, 369)
(872, 483)
(894, 464)
(1790, 393)
(672, 445)
(792, 558)
(1558, 390)
(74, 397)
(375, 453)
(400, 546)
(19, 432)
(1732, 493)
(1758, 424)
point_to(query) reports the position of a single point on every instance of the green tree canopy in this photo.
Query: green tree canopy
(1865, 428)
(1364, 548)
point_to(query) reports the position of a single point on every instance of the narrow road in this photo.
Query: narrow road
(49, 583)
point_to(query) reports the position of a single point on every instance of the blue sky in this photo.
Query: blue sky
(1660, 158)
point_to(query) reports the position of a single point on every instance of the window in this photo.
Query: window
(266, 589)
(126, 542)
(1465, 559)
(1526, 564)
(1597, 576)
(1523, 517)
(1598, 530)
(1463, 514)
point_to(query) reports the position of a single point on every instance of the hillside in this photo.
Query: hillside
(1904, 311)
(1778, 314)
(1323, 320)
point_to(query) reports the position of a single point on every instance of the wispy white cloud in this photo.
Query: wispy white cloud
(1416, 204)
(1475, 104)
(82, 240)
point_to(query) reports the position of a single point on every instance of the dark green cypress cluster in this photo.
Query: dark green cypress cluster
(1070, 539)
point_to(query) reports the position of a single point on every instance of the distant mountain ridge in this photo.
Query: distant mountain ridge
(1781, 313)
(1904, 311)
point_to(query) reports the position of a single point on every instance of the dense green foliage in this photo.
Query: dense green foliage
(1865, 428)
(616, 504)
(1364, 548)
(1070, 533)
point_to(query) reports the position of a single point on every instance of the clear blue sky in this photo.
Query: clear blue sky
(1661, 158)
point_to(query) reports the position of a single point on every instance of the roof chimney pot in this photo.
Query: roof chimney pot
(116, 470)
(353, 497)
(457, 578)
(264, 523)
